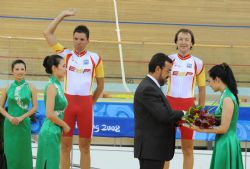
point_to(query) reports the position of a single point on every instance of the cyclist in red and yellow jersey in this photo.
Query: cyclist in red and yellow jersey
(83, 67)
(186, 71)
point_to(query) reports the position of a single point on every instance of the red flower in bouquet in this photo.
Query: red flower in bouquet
(200, 117)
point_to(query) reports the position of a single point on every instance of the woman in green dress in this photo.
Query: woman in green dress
(17, 129)
(227, 150)
(49, 140)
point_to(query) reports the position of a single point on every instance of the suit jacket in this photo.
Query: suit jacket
(154, 123)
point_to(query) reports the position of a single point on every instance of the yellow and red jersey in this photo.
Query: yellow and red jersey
(81, 70)
(186, 71)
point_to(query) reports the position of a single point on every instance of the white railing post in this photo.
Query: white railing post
(120, 47)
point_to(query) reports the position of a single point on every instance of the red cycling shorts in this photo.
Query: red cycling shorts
(183, 104)
(80, 110)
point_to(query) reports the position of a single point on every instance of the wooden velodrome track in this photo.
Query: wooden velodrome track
(221, 28)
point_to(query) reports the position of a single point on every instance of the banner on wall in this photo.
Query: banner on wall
(112, 119)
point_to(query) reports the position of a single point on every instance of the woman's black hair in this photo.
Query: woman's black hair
(225, 73)
(52, 60)
(18, 61)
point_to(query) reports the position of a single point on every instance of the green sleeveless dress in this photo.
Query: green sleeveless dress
(227, 151)
(17, 138)
(49, 140)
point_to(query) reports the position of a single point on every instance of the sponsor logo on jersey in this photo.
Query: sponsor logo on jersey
(189, 65)
(72, 68)
(189, 73)
(81, 70)
(85, 62)
(86, 70)
(177, 73)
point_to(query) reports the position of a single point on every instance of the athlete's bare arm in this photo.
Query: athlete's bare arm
(99, 88)
(49, 31)
(202, 95)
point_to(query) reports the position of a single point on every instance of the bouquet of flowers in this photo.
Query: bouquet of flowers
(200, 117)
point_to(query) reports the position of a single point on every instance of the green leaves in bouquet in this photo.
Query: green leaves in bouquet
(200, 117)
(192, 114)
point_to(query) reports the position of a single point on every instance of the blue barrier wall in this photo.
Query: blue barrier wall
(115, 119)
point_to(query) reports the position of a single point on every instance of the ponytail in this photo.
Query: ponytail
(225, 73)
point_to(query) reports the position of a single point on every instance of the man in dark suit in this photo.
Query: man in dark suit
(154, 140)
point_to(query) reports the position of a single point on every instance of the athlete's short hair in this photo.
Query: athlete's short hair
(184, 30)
(82, 29)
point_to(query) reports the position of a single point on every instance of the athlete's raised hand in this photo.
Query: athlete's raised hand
(68, 12)
(49, 31)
